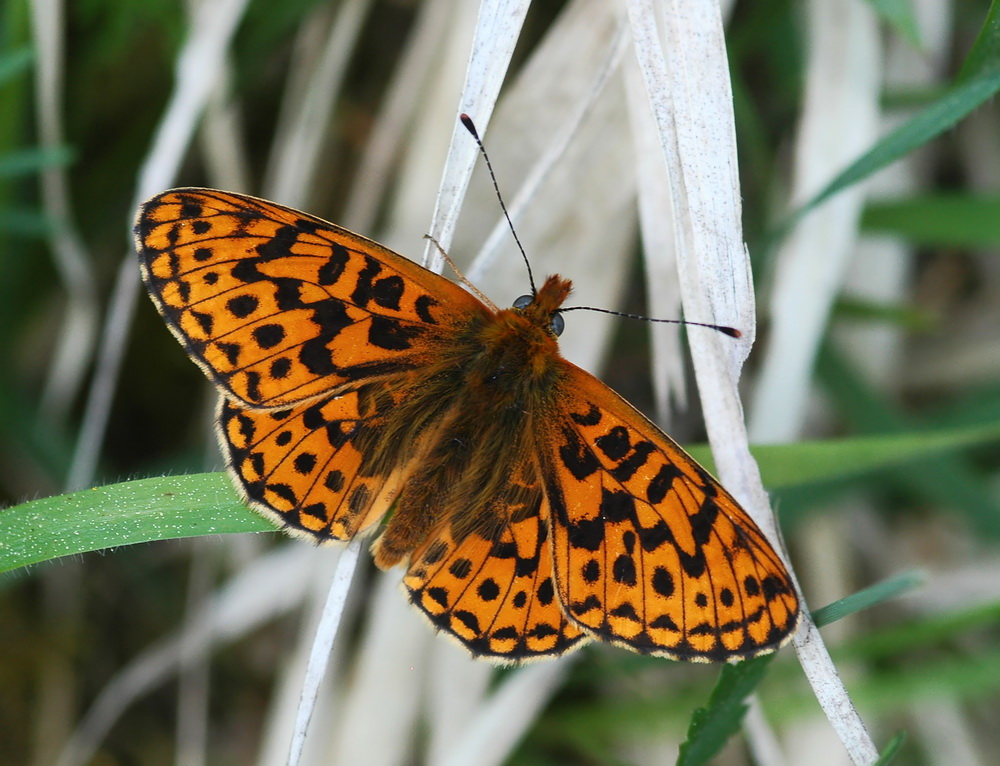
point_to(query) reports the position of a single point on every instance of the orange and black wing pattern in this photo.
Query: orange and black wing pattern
(309, 467)
(314, 336)
(535, 508)
(650, 551)
(279, 307)
(490, 585)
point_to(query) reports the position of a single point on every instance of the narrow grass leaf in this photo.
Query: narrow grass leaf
(952, 220)
(977, 82)
(972, 676)
(29, 161)
(920, 634)
(868, 597)
(946, 480)
(891, 750)
(784, 466)
(927, 124)
(984, 55)
(904, 317)
(171, 507)
(163, 508)
(712, 726)
(899, 15)
(25, 222)
(15, 62)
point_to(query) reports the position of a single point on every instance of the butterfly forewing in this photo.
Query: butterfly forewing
(650, 551)
(279, 307)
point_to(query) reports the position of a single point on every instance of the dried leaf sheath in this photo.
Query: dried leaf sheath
(534, 506)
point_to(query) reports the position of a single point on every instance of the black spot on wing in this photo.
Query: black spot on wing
(576, 457)
(615, 443)
(242, 306)
(626, 468)
(268, 335)
(391, 334)
(617, 506)
(589, 418)
(279, 245)
(661, 484)
(332, 270)
(423, 305)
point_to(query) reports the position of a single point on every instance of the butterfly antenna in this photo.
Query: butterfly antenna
(458, 273)
(732, 332)
(471, 127)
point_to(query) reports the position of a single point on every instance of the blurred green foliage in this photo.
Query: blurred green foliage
(923, 452)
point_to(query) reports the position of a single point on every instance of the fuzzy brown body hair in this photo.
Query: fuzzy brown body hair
(467, 432)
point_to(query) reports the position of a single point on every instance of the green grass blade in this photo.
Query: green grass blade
(920, 635)
(946, 480)
(978, 82)
(985, 52)
(29, 161)
(927, 124)
(163, 508)
(13, 63)
(202, 504)
(713, 725)
(868, 597)
(24, 222)
(899, 15)
(809, 462)
(972, 676)
(784, 466)
(891, 750)
(953, 220)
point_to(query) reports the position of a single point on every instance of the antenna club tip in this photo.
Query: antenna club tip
(469, 124)
(732, 332)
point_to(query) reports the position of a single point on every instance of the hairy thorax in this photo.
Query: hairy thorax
(473, 416)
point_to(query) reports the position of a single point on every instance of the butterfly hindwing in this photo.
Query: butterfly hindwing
(650, 551)
(279, 307)
(491, 588)
(312, 467)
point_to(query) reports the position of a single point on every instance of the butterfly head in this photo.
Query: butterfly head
(542, 308)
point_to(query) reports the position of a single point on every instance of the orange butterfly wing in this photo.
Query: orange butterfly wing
(279, 307)
(313, 333)
(308, 468)
(350, 374)
(492, 588)
(650, 551)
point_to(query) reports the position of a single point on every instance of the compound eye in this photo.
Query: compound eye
(558, 324)
(523, 302)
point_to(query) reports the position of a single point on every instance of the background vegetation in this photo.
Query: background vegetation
(877, 366)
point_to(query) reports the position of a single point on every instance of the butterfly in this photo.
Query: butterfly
(532, 506)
